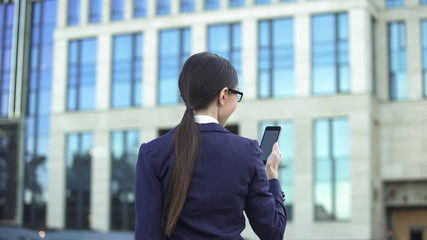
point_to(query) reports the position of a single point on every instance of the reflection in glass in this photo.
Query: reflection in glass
(95, 11)
(225, 40)
(395, 3)
(81, 75)
(332, 190)
(127, 71)
(139, 8)
(397, 61)
(330, 54)
(37, 134)
(211, 4)
(286, 168)
(117, 10)
(78, 180)
(424, 49)
(124, 149)
(6, 27)
(187, 5)
(163, 7)
(237, 3)
(276, 58)
(73, 12)
(174, 50)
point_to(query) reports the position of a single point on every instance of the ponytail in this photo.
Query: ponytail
(186, 148)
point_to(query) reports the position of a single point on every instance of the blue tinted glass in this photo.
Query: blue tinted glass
(117, 10)
(288, 0)
(139, 8)
(95, 11)
(395, 3)
(330, 54)
(187, 5)
(262, 1)
(237, 3)
(174, 51)
(73, 16)
(6, 26)
(397, 61)
(211, 4)
(49, 14)
(423, 2)
(163, 7)
(424, 49)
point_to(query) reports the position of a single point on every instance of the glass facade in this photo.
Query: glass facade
(276, 58)
(81, 85)
(424, 52)
(397, 61)
(423, 2)
(330, 54)
(187, 5)
(73, 12)
(395, 3)
(225, 40)
(127, 71)
(332, 189)
(117, 10)
(286, 168)
(175, 49)
(237, 3)
(79, 151)
(163, 7)
(262, 1)
(139, 8)
(212, 4)
(124, 150)
(95, 11)
(37, 136)
(6, 29)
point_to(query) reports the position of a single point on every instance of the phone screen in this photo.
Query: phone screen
(271, 135)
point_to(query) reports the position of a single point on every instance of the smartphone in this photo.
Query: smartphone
(271, 135)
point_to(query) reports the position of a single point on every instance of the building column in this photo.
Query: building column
(128, 9)
(199, 37)
(414, 57)
(100, 199)
(150, 68)
(103, 74)
(382, 61)
(151, 8)
(175, 7)
(249, 58)
(302, 43)
(106, 12)
(59, 85)
(84, 12)
(62, 14)
(360, 50)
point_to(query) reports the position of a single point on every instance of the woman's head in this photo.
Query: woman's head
(203, 77)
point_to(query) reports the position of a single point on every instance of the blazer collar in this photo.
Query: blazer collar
(208, 127)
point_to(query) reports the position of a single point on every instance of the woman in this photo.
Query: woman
(195, 181)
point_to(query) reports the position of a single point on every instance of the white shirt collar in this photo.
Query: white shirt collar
(203, 119)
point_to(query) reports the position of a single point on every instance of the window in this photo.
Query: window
(262, 1)
(288, 0)
(175, 48)
(330, 54)
(225, 40)
(73, 14)
(211, 4)
(6, 29)
(124, 149)
(187, 5)
(37, 120)
(276, 58)
(117, 11)
(127, 71)
(397, 61)
(395, 3)
(81, 75)
(424, 46)
(286, 167)
(423, 2)
(332, 190)
(78, 170)
(237, 3)
(139, 8)
(163, 7)
(95, 11)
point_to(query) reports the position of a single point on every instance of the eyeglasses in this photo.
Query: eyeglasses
(239, 94)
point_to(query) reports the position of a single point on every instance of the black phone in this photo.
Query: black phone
(271, 135)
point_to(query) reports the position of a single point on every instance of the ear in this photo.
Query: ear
(222, 96)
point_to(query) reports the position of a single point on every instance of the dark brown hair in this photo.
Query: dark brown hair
(203, 76)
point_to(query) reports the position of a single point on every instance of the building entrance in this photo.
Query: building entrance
(409, 224)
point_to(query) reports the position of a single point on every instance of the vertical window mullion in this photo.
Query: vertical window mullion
(333, 168)
(2, 48)
(337, 53)
(78, 75)
(132, 69)
(271, 67)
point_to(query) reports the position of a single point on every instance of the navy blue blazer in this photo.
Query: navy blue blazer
(229, 178)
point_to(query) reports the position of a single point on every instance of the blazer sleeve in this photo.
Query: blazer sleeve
(148, 199)
(265, 208)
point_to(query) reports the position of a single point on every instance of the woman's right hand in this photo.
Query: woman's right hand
(273, 162)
